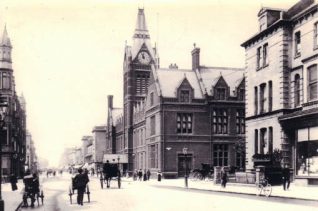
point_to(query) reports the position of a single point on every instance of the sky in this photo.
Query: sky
(68, 55)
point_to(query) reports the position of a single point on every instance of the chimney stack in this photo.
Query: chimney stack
(110, 101)
(195, 57)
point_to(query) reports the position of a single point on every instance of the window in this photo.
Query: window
(265, 58)
(221, 93)
(219, 121)
(5, 81)
(259, 58)
(270, 96)
(270, 140)
(184, 123)
(185, 96)
(241, 94)
(262, 98)
(151, 99)
(316, 35)
(220, 154)
(262, 140)
(262, 56)
(153, 125)
(312, 82)
(297, 44)
(240, 121)
(297, 90)
(256, 141)
(255, 100)
(153, 156)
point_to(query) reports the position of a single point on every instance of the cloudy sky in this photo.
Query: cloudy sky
(68, 57)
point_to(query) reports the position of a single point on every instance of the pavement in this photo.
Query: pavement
(12, 199)
(308, 193)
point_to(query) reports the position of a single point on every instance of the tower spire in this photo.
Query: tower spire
(5, 50)
(141, 30)
(5, 41)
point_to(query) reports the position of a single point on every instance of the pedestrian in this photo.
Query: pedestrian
(135, 175)
(80, 182)
(286, 177)
(148, 174)
(159, 176)
(35, 184)
(13, 181)
(145, 175)
(223, 178)
(140, 174)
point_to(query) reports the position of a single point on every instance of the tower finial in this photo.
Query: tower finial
(194, 45)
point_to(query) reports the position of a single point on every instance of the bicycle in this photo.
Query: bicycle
(265, 187)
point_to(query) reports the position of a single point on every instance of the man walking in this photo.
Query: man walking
(80, 181)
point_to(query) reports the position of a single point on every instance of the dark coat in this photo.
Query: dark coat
(286, 173)
(80, 181)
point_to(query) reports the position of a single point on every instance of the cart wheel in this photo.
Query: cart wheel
(268, 190)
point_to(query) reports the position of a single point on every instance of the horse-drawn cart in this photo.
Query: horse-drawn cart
(110, 171)
(32, 191)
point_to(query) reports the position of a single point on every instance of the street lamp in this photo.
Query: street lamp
(185, 152)
(3, 115)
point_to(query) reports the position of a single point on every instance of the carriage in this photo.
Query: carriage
(110, 171)
(32, 192)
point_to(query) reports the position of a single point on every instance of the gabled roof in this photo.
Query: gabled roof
(171, 79)
(211, 75)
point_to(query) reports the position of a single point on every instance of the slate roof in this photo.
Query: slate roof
(211, 75)
(170, 80)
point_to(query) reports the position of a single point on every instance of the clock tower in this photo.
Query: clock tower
(138, 60)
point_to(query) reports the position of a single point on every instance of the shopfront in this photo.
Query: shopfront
(307, 152)
(302, 129)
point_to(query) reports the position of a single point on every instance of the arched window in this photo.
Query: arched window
(297, 90)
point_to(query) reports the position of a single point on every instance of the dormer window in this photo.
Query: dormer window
(185, 96)
(221, 93)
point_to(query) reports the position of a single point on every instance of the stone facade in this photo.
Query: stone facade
(13, 133)
(281, 83)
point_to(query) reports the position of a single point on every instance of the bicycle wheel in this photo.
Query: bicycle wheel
(268, 190)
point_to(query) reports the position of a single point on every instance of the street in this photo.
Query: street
(152, 196)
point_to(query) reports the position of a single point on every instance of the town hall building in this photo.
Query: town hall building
(172, 118)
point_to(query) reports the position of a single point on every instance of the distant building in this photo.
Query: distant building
(31, 157)
(99, 145)
(174, 116)
(282, 92)
(13, 133)
(88, 152)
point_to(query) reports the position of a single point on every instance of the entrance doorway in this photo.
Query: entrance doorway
(184, 162)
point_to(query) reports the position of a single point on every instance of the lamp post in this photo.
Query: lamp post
(185, 152)
(3, 114)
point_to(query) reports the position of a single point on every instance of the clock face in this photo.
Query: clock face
(144, 57)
